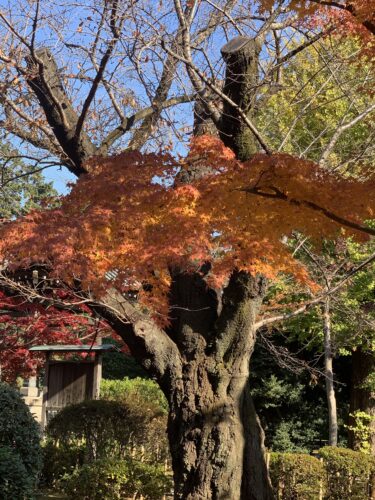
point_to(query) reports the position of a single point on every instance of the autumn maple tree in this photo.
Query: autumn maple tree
(176, 251)
(201, 286)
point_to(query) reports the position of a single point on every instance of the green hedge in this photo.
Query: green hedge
(340, 473)
(296, 476)
(107, 428)
(349, 473)
(139, 391)
(110, 428)
(148, 405)
(92, 450)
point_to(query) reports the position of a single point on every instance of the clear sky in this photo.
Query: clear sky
(60, 177)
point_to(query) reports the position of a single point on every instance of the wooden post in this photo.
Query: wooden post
(45, 391)
(97, 376)
(321, 484)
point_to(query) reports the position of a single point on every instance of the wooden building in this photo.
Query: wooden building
(68, 382)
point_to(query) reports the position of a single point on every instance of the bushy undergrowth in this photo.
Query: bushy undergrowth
(112, 479)
(20, 452)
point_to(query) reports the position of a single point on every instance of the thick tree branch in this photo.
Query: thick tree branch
(215, 115)
(45, 82)
(277, 194)
(149, 344)
(240, 302)
(130, 121)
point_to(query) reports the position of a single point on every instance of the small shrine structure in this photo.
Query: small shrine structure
(68, 382)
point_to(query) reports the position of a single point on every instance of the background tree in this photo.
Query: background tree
(22, 186)
(325, 98)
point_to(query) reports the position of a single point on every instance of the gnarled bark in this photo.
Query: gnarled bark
(215, 436)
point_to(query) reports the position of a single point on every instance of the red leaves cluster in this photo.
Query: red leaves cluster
(127, 222)
(24, 324)
(349, 17)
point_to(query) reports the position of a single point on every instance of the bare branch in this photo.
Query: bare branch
(130, 121)
(340, 130)
(116, 30)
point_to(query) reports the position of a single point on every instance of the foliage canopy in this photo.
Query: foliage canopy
(236, 217)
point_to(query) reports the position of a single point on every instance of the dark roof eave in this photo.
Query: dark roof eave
(73, 348)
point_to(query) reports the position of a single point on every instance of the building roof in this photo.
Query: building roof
(73, 348)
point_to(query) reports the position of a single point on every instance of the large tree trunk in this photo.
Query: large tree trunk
(215, 436)
(214, 433)
(362, 395)
(215, 452)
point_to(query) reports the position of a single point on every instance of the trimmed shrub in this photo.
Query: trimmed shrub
(106, 428)
(82, 438)
(296, 476)
(15, 481)
(110, 479)
(147, 403)
(348, 473)
(92, 446)
(19, 434)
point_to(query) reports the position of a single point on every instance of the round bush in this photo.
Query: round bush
(19, 431)
(147, 404)
(107, 428)
(91, 447)
(15, 482)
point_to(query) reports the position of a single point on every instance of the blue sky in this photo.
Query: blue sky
(60, 177)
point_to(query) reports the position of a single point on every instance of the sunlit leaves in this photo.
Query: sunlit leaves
(126, 216)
